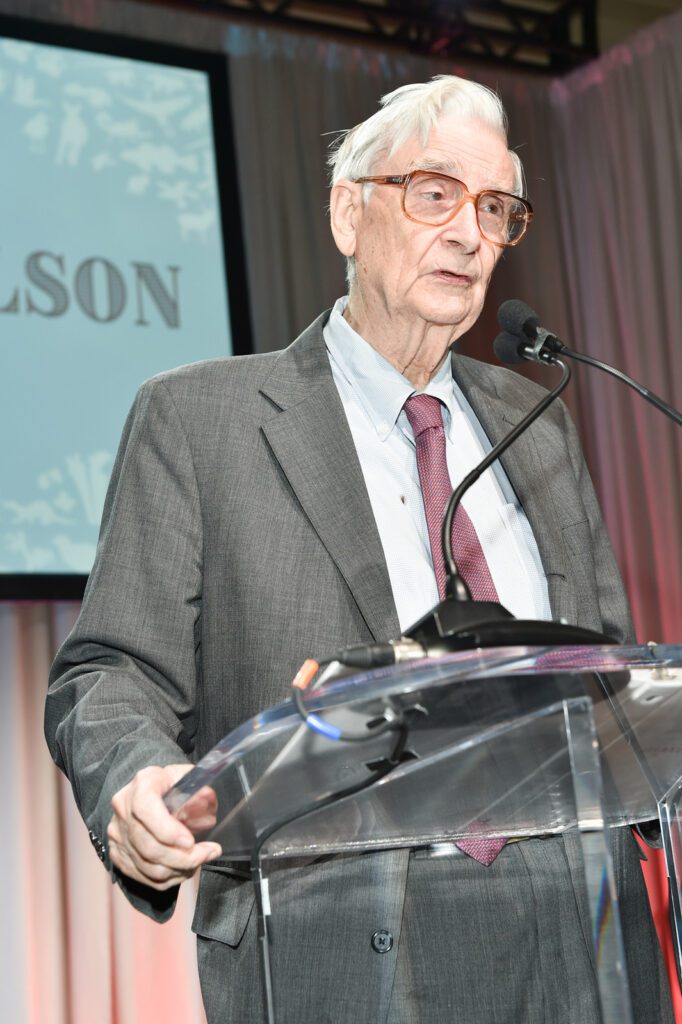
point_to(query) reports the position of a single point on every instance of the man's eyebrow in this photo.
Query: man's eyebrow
(450, 167)
(454, 170)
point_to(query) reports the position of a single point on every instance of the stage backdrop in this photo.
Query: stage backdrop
(602, 266)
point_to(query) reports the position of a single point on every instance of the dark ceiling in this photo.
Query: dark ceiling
(545, 35)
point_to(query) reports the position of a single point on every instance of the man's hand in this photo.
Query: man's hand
(146, 842)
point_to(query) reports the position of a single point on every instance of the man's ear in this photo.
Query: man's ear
(345, 203)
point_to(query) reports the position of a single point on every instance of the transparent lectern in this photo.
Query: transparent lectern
(504, 742)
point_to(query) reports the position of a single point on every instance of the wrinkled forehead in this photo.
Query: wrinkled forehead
(472, 150)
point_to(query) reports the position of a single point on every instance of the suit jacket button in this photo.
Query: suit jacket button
(382, 941)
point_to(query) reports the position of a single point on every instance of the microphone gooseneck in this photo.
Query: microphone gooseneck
(458, 622)
(652, 398)
(455, 586)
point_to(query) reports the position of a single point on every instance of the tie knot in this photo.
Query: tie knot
(423, 412)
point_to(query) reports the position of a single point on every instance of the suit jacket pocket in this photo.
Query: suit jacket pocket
(578, 538)
(224, 906)
(582, 602)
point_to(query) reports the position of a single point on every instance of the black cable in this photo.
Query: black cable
(332, 732)
(323, 800)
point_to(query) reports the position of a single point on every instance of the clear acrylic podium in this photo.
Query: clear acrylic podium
(511, 742)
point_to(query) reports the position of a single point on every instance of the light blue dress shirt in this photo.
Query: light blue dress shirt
(373, 393)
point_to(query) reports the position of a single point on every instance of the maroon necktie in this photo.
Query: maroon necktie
(424, 414)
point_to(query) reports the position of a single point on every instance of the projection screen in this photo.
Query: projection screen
(120, 257)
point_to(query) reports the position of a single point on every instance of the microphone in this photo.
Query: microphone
(518, 318)
(509, 348)
(458, 622)
(523, 338)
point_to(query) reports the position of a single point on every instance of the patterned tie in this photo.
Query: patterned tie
(424, 415)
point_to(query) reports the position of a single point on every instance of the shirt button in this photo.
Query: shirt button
(382, 941)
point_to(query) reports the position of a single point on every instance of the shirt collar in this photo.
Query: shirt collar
(380, 388)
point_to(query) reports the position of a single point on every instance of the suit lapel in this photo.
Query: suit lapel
(524, 467)
(308, 433)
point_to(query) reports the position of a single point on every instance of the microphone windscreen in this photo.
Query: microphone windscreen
(508, 347)
(517, 318)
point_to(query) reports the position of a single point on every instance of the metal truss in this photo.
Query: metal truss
(547, 35)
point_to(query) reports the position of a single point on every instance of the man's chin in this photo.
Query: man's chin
(459, 318)
(450, 306)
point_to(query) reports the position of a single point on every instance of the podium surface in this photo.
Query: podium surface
(467, 715)
(512, 742)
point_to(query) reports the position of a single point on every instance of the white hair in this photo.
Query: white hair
(412, 111)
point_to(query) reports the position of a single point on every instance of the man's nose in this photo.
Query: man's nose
(463, 229)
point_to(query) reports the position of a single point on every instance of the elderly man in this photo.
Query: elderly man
(266, 508)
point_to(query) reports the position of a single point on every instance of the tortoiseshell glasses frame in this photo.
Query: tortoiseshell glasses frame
(502, 217)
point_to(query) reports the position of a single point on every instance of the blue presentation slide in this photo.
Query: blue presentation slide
(111, 270)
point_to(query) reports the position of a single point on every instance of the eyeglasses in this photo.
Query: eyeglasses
(433, 198)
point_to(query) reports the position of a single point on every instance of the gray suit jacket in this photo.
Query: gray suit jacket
(237, 540)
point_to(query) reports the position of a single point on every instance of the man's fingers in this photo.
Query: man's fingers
(145, 848)
(143, 835)
(199, 809)
(167, 866)
(204, 823)
(145, 841)
(150, 812)
(155, 876)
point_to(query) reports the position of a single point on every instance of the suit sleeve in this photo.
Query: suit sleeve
(616, 620)
(122, 688)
